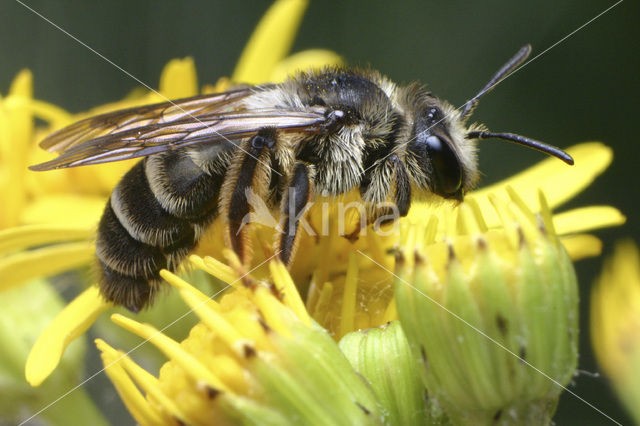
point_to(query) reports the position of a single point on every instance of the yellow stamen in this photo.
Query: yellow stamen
(214, 267)
(171, 349)
(151, 386)
(431, 230)
(477, 214)
(545, 212)
(135, 402)
(522, 206)
(181, 284)
(377, 248)
(349, 296)
(391, 312)
(216, 322)
(286, 286)
(274, 314)
(322, 304)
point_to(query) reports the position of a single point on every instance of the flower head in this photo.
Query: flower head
(501, 344)
(266, 351)
(615, 323)
(57, 212)
(255, 357)
(492, 315)
(351, 287)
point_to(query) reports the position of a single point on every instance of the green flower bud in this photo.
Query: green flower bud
(382, 356)
(495, 326)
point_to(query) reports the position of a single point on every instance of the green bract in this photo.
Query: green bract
(495, 335)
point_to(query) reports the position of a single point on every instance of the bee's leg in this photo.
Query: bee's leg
(248, 177)
(293, 206)
(384, 205)
(402, 193)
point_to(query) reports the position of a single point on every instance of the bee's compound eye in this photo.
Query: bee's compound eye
(258, 142)
(446, 166)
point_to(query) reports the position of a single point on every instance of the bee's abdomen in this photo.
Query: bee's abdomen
(153, 219)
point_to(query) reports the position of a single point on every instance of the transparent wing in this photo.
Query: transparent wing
(142, 116)
(152, 129)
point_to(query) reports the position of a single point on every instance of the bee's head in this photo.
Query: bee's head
(441, 152)
(440, 159)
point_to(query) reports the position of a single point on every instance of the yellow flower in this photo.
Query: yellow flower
(350, 291)
(492, 314)
(615, 324)
(57, 212)
(256, 357)
(351, 287)
(519, 271)
(68, 203)
(369, 286)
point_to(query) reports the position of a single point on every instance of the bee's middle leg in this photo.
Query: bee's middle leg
(293, 206)
(249, 177)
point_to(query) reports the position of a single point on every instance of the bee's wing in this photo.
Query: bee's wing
(123, 135)
(142, 116)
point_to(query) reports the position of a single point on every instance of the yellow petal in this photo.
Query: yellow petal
(559, 181)
(16, 138)
(179, 79)
(171, 349)
(22, 84)
(582, 246)
(136, 403)
(71, 323)
(349, 296)
(587, 218)
(48, 261)
(106, 176)
(20, 237)
(285, 285)
(302, 61)
(615, 310)
(17, 103)
(65, 209)
(153, 389)
(53, 114)
(270, 41)
(38, 184)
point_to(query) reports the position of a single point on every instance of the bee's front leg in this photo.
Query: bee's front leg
(293, 206)
(384, 203)
(402, 192)
(248, 176)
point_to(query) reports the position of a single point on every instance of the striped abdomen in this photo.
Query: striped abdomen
(155, 216)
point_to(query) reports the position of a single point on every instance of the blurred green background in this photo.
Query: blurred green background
(585, 88)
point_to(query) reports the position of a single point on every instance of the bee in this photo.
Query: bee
(320, 132)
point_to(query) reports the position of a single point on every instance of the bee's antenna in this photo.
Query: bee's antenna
(502, 73)
(525, 141)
